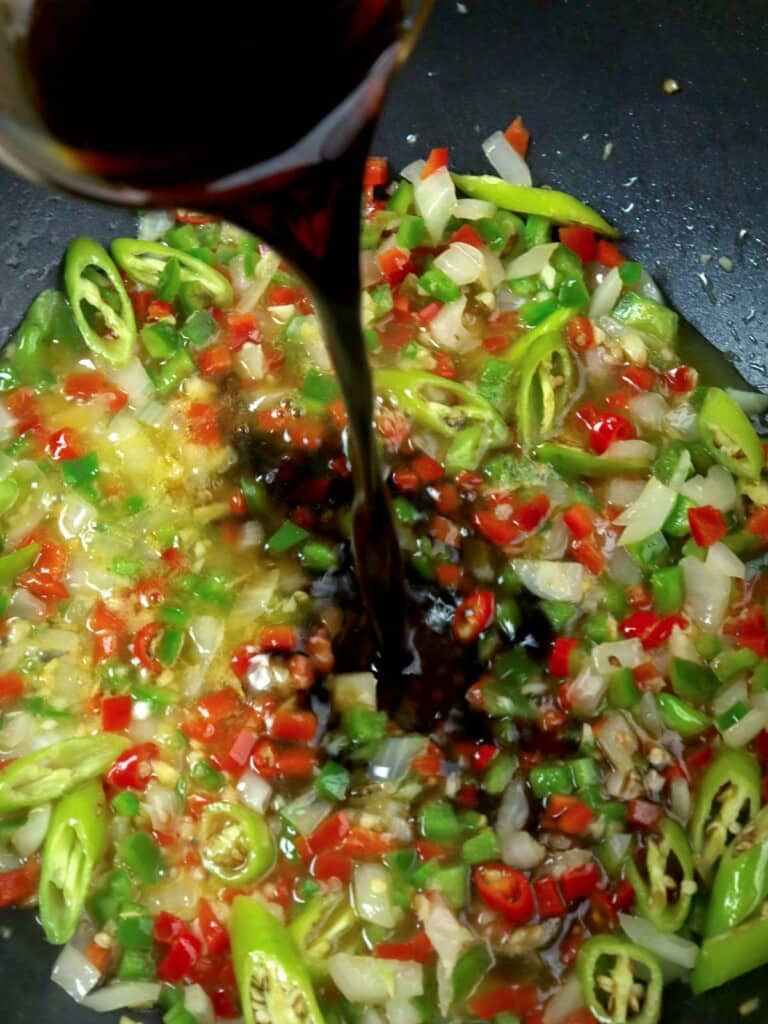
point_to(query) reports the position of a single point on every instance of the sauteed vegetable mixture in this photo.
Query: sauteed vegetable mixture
(199, 788)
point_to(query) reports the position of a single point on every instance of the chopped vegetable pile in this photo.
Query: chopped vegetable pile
(199, 787)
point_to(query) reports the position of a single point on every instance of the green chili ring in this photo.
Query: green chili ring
(236, 845)
(539, 401)
(741, 882)
(47, 774)
(726, 431)
(610, 993)
(667, 856)
(728, 956)
(117, 343)
(144, 262)
(271, 977)
(77, 837)
(729, 794)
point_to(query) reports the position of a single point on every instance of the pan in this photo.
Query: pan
(680, 169)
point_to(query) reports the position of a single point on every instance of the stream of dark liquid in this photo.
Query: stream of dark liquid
(261, 113)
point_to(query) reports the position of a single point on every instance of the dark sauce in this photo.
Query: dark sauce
(262, 114)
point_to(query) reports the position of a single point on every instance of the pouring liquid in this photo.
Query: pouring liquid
(261, 114)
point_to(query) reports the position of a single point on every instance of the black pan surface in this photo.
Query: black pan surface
(683, 175)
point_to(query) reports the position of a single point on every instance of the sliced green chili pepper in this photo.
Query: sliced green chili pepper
(543, 202)
(48, 774)
(729, 795)
(696, 683)
(667, 856)
(145, 262)
(408, 389)
(236, 844)
(273, 982)
(76, 839)
(570, 461)
(611, 971)
(17, 562)
(731, 954)
(326, 925)
(48, 318)
(647, 316)
(471, 967)
(551, 324)
(116, 341)
(682, 717)
(741, 883)
(141, 855)
(728, 434)
(540, 400)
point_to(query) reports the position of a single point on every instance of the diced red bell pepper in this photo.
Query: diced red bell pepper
(218, 705)
(498, 531)
(516, 999)
(214, 933)
(532, 513)
(63, 445)
(580, 520)
(417, 949)
(468, 235)
(579, 240)
(609, 254)
(376, 171)
(427, 469)
(364, 842)
(84, 387)
(707, 524)
(278, 638)
(559, 661)
(437, 158)
(474, 615)
(652, 630)
(581, 881)
(681, 379)
(605, 428)
(586, 551)
(505, 889)
(395, 265)
(116, 713)
(641, 378)
(214, 361)
(518, 136)
(143, 646)
(549, 899)
(757, 523)
(19, 883)
(241, 748)
(203, 424)
(11, 686)
(181, 957)
(429, 312)
(567, 814)
(133, 768)
(297, 726)
(328, 835)
(326, 866)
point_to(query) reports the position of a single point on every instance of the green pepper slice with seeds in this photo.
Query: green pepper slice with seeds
(77, 837)
(271, 977)
(547, 378)
(621, 982)
(100, 303)
(728, 797)
(48, 774)
(741, 882)
(145, 262)
(236, 845)
(326, 925)
(663, 890)
(728, 434)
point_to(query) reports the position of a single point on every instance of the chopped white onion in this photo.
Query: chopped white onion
(254, 791)
(413, 171)
(29, 837)
(353, 689)
(680, 798)
(506, 161)
(721, 559)
(623, 569)
(462, 262)
(717, 488)
(586, 691)
(752, 402)
(373, 895)
(402, 1011)
(744, 731)
(153, 224)
(134, 380)
(682, 421)
(551, 581)
(75, 973)
(647, 712)
(648, 410)
(207, 633)
(531, 262)
(250, 362)
(513, 809)
(617, 740)
(122, 994)
(622, 491)
(634, 449)
(198, 1003)
(520, 850)
(735, 693)
(707, 593)
(568, 999)
(367, 979)
(263, 274)
(391, 761)
(648, 513)
(617, 654)
(448, 329)
(435, 199)
(77, 517)
(647, 286)
(306, 812)
(606, 295)
(7, 422)
(682, 470)
(473, 209)
(665, 946)
(493, 271)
